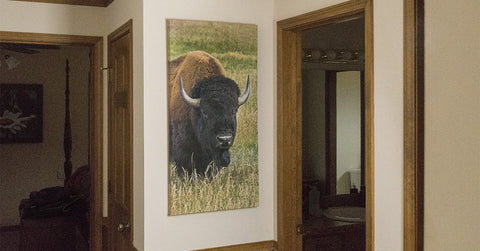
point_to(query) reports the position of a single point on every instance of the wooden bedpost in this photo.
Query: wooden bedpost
(67, 134)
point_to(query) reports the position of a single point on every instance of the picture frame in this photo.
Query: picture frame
(21, 113)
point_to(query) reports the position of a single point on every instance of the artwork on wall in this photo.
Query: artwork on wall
(21, 113)
(212, 102)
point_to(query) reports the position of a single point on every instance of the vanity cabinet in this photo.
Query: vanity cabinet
(323, 234)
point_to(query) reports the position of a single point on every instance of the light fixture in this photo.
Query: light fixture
(333, 56)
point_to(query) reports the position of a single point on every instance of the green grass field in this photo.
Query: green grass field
(235, 46)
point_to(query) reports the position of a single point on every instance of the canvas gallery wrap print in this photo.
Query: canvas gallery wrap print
(21, 113)
(212, 113)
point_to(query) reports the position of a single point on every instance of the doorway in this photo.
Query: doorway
(290, 150)
(95, 115)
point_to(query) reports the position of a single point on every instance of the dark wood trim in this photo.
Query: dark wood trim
(67, 135)
(96, 3)
(121, 31)
(289, 177)
(331, 132)
(95, 115)
(414, 95)
(289, 152)
(324, 16)
(10, 228)
(47, 38)
(362, 134)
(260, 246)
(369, 129)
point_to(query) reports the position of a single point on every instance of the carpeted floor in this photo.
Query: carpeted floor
(9, 239)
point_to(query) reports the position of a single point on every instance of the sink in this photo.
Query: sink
(347, 214)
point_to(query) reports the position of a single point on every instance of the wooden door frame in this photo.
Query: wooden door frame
(414, 95)
(289, 117)
(95, 115)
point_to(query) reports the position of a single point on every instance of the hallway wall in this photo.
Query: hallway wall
(50, 18)
(218, 228)
(452, 125)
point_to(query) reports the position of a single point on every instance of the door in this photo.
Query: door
(119, 223)
(289, 111)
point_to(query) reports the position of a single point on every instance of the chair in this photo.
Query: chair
(57, 218)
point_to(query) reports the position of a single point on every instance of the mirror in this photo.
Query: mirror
(345, 161)
(333, 138)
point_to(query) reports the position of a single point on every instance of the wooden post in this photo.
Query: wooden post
(67, 134)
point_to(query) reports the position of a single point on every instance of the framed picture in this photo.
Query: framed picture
(21, 113)
(212, 102)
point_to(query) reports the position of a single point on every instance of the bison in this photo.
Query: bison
(202, 112)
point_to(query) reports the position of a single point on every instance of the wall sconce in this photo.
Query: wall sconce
(333, 56)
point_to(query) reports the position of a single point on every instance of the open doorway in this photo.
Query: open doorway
(290, 144)
(333, 167)
(75, 217)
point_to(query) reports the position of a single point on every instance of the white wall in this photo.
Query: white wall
(209, 229)
(50, 18)
(27, 167)
(388, 89)
(388, 81)
(452, 125)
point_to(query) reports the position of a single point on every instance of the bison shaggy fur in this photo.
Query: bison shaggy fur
(201, 135)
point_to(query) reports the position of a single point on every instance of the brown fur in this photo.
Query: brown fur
(192, 67)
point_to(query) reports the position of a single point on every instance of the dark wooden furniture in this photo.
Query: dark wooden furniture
(321, 233)
(52, 233)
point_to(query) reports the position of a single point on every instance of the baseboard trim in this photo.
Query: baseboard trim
(254, 246)
(10, 228)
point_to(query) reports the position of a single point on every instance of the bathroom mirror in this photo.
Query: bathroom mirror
(333, 137)
(344, 139)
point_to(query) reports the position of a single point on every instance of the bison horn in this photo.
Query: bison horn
(242, 99)
(193, 102)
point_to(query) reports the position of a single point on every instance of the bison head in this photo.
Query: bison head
(215, 101)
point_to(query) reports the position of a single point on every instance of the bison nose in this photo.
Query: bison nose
(224, 141)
